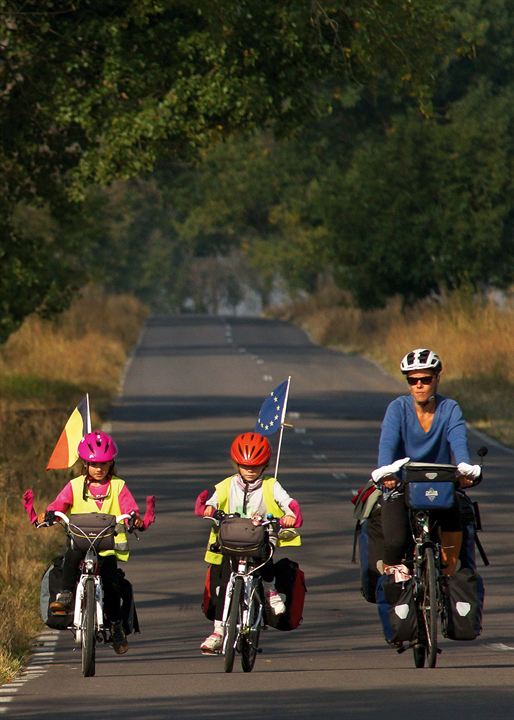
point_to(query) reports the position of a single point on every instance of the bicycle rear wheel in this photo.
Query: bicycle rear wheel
(88, 635)
(233, 623)
(250, 641)
(429, 606)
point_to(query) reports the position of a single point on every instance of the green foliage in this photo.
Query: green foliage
(101, 90)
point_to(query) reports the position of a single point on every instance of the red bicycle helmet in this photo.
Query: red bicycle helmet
(97, 446)
(250, 449)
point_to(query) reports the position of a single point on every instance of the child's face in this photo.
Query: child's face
(98, 470)
(250, 473)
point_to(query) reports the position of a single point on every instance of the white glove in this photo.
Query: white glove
(382, 472)
(469, 471)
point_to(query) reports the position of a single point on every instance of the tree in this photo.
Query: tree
(97, 90)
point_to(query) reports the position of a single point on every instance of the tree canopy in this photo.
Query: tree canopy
(144, 139)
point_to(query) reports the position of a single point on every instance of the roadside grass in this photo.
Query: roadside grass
(474, 335)
(45, 368)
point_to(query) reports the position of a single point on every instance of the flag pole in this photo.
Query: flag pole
(282, 425)
(88, 420)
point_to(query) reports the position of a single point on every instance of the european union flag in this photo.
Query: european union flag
(271, 414)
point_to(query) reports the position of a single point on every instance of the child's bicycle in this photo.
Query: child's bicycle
(92, 532)
(249, 544)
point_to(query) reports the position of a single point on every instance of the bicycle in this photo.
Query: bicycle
(428, 487)
(88, 626)
(249, 544)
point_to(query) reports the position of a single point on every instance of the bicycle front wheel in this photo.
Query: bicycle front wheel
(429, 606)
(88, 628)
(250, 640)
(233, 623)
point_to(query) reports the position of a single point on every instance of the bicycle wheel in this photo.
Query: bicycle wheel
(88, 629)
(429, 606)
(250, 640)
(233, 621)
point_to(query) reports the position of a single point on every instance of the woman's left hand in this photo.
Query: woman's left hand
(288, 521)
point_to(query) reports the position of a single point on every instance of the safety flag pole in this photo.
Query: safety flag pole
(88, 414)
(282, 425)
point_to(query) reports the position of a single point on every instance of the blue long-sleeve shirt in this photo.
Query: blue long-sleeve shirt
(403, 436)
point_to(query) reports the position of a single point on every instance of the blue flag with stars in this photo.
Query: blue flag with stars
(271, 414)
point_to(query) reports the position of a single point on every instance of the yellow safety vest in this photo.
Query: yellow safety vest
(272, 507)
(110, 506)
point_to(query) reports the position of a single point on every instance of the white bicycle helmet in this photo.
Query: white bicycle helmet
(421, 359)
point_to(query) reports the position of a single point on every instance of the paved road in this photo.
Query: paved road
(193, 383)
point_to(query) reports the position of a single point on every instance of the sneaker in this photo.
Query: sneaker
(212, 645)
(62, 603)
(119, 639)
(275, 602)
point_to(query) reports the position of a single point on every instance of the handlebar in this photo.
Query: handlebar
(51, 515)
(273, 523)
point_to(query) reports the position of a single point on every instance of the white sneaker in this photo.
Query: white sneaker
(212, 644)
(275, 602)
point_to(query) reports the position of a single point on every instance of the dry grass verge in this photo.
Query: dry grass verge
(45, 368)
(473, 335)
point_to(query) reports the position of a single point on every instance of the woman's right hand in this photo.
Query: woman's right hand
(209, 511)
(389, 482)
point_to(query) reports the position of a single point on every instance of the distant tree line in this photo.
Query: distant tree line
(180, 149)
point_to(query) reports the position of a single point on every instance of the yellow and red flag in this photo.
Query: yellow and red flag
(65, 453)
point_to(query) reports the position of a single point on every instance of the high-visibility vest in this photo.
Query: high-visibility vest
(110, 506)
(272, 507)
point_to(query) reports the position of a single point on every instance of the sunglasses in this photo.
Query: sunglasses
(425, 380)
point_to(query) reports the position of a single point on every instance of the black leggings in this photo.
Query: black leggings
(398, 542)
(267, 573)
(110, 580)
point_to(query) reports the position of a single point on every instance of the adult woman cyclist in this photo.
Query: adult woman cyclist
(422, 426)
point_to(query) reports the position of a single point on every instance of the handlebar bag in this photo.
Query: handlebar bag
(430, 495)
(239, 536)
(85, 527)
(429, 486)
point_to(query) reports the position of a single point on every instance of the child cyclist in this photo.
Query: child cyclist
(98, 489)
(251, 493)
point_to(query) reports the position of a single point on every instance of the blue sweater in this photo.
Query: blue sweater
(403, 436)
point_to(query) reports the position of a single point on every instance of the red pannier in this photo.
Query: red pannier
(289, 581)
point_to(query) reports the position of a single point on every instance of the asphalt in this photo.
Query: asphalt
(192, 384)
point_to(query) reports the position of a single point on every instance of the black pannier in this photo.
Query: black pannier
(396, 609)
(240, 536)
(85, 527)
(51, 584)
(464, 605)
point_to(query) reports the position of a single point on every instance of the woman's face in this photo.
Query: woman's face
(422, 385)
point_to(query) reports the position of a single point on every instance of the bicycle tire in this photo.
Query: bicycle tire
(233, 621)
(88, 628)
(250, 641)
(429, 606)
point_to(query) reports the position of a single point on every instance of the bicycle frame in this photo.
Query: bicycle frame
(89, 569)
(251, 586)
(427, 587)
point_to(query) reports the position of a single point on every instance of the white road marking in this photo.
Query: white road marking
(267, 378)
(300, 431)
(501, 646)
(319, 456)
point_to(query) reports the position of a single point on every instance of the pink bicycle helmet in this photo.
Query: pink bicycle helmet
(250, 449)
(97, 446)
